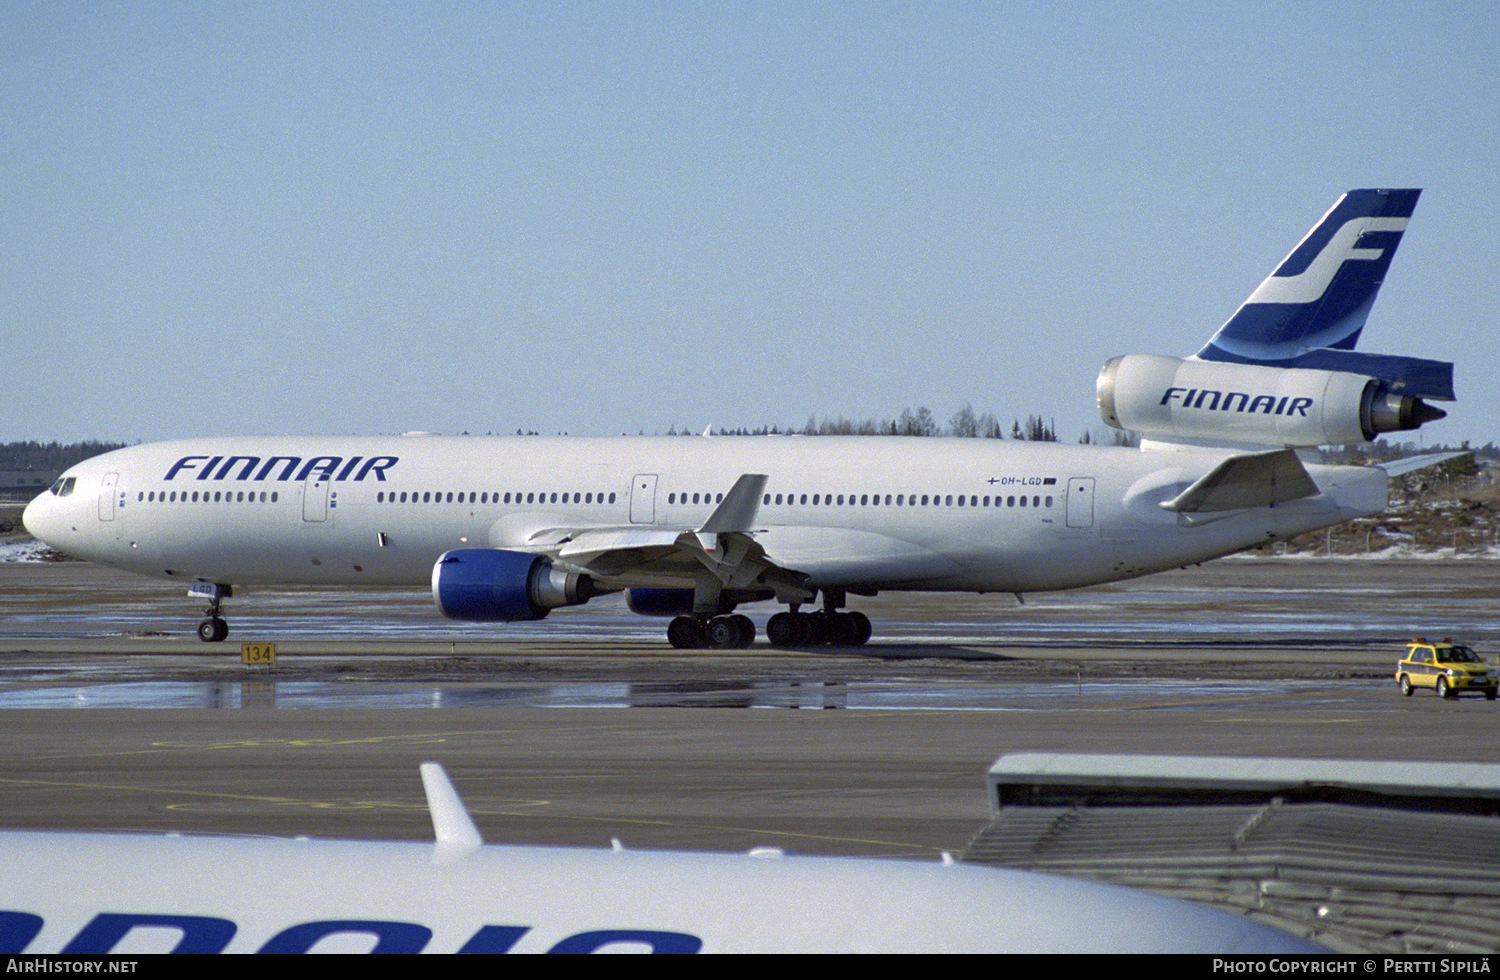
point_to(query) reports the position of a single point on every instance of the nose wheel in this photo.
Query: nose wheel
(213, 629)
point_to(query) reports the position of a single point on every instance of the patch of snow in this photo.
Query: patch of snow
(23, 551)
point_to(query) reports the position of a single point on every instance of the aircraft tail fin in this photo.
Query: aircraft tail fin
(1309, 312)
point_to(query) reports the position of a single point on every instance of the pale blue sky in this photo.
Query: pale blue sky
(603, 217)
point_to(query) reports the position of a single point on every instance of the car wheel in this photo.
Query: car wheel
(1489, 695)
(1443, 691)
(1406, 687)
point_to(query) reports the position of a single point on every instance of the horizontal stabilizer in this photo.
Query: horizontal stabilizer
(1401, 467)
(1412, 377)
(1242, 482)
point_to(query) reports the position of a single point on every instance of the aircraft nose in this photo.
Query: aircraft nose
(38, 517)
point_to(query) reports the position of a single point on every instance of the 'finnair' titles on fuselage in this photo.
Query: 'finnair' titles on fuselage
(330, 469)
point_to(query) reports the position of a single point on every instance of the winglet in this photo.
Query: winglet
(457, 837)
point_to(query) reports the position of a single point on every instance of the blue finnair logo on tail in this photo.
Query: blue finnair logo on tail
(1310, 311)
(1320, 294)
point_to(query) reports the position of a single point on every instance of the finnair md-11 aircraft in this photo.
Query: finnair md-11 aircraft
(123, 894)
(508, 529)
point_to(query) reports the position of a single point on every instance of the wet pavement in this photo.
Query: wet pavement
(1222, 636)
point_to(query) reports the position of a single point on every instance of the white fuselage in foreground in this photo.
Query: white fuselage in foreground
(133, 893)
(858, 513)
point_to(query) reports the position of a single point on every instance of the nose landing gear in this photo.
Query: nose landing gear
(213, 629)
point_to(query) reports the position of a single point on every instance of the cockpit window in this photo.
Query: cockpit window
(63, 486)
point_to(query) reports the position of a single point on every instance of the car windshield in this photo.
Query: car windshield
(1457, 655)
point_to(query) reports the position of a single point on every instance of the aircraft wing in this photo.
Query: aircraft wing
(738, 554)
(1242, 482)
(724, 545)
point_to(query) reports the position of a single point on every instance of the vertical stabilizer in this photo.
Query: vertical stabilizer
(1309, 312)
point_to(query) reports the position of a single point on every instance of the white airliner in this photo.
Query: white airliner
(123, 894)
(508, 529)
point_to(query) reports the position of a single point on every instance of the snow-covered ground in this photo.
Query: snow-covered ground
(23, 551)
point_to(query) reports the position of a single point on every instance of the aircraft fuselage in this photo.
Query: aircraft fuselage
(861, 513)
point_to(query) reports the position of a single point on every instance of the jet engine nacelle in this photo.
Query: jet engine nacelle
(1169, 397)
(490, 586)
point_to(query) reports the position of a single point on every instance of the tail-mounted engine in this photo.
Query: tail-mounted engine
(1168, 397)
(490, 586)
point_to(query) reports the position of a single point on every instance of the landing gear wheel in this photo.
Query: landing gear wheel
(862, 628)
(789, 629)
(1443, 690)
(819, 628)
(781, 629)
(213, 630)
(747, 630)
(723, 632)
(682, 633)
(1406, 687)
(845, 631)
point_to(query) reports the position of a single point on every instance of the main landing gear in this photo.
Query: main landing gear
(213, 629)
(828, 626)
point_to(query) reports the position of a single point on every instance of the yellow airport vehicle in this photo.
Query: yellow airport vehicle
(1448, 668)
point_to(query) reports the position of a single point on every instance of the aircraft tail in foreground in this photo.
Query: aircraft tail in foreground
(1283, 370)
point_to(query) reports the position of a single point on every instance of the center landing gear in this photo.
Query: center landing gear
(213, 629)
(824, 627)
(699, 632)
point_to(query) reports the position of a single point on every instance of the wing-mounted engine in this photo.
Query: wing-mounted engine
(1170, 398)
(494, 586)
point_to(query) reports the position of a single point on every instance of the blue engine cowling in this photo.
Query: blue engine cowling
(485, 585)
